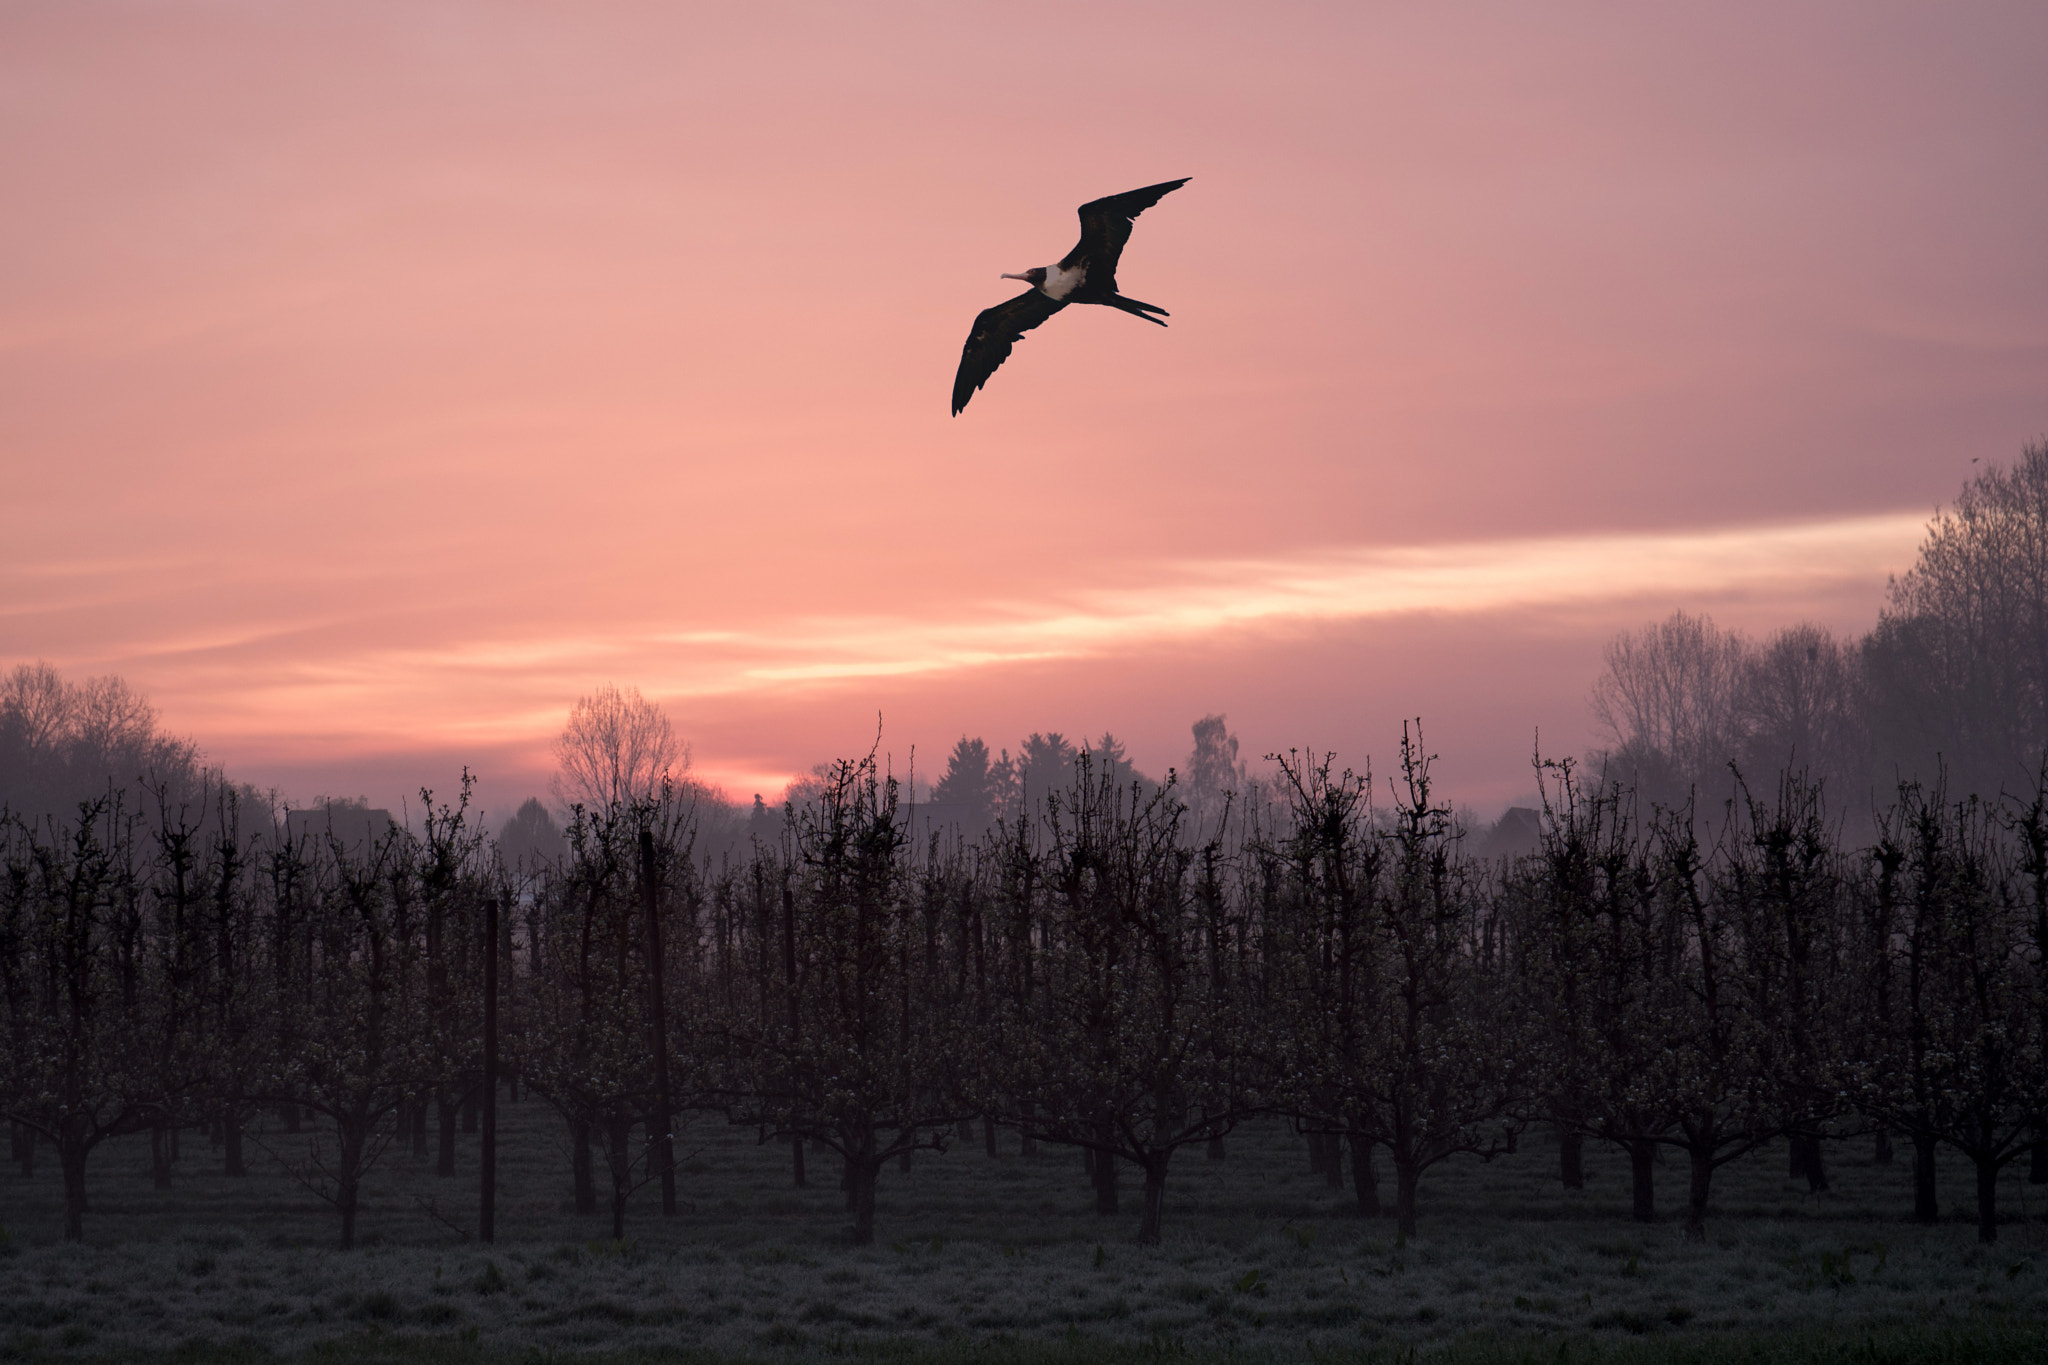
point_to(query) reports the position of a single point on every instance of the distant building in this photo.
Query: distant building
(357, 827)
(1518, 831)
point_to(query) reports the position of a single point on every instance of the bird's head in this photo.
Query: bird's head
(1034, 276)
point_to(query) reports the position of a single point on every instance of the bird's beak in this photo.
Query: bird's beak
(1013, 277)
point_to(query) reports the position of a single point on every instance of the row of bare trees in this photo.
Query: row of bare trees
(1089, 973)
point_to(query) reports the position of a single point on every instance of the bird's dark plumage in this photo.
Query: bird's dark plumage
(1087, 274)
(995, 331)
(1105, 227)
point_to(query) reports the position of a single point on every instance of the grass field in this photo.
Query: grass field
(1005, 1259)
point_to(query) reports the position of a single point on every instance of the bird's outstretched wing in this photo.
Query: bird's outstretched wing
(1106, 226)
(995, 331)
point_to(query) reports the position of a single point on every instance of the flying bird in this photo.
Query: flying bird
(1087, 274)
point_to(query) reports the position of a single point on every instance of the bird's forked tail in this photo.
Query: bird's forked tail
(1137, 309)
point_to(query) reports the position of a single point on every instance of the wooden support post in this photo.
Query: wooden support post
(487, 1213)
(664, 1140)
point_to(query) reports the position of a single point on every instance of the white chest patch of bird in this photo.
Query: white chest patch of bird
(1060, 283)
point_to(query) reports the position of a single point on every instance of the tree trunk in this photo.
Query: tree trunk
(1029, 1145)
(348, 1179)
(1925, 1207)
(1571, 1157)
(1333, 1160)
(1318, 1153)
(1155, 1198)
(487, 1154)
(580, 1165)
(1881, 1147)
(988, 1134)
(417, 1122)
(1364, 1179)
(71, 1152)
(1105, 1183)
(796, 1159)
(1806, 1161)
(618, 1144)
(1642, 1160)
(231, 1137)
(1702, 1155)
(1407, 1179)
(2037, 1160)
(864, 1173)
(444, 1163)
(903, 1159)
(1987, 1198)
(159, 1156)
(661, 1130)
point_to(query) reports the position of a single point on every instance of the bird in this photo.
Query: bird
(1087, 274)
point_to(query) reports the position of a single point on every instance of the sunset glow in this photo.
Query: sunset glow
(377, 379)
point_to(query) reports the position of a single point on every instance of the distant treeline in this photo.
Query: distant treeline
(1086, 974)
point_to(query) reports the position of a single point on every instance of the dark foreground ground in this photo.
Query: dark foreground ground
(1004, 1260)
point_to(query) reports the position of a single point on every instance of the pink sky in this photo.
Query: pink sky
(375, 379)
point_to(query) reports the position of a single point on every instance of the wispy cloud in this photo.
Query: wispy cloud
(511, 685)
(1201, 599)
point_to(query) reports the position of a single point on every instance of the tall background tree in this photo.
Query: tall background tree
(1215, 773)
(1669, 702)
(531, 838)
(1958, 664)
(1799, 708)
(968, 786)
(616, 748)
(1043, 767)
